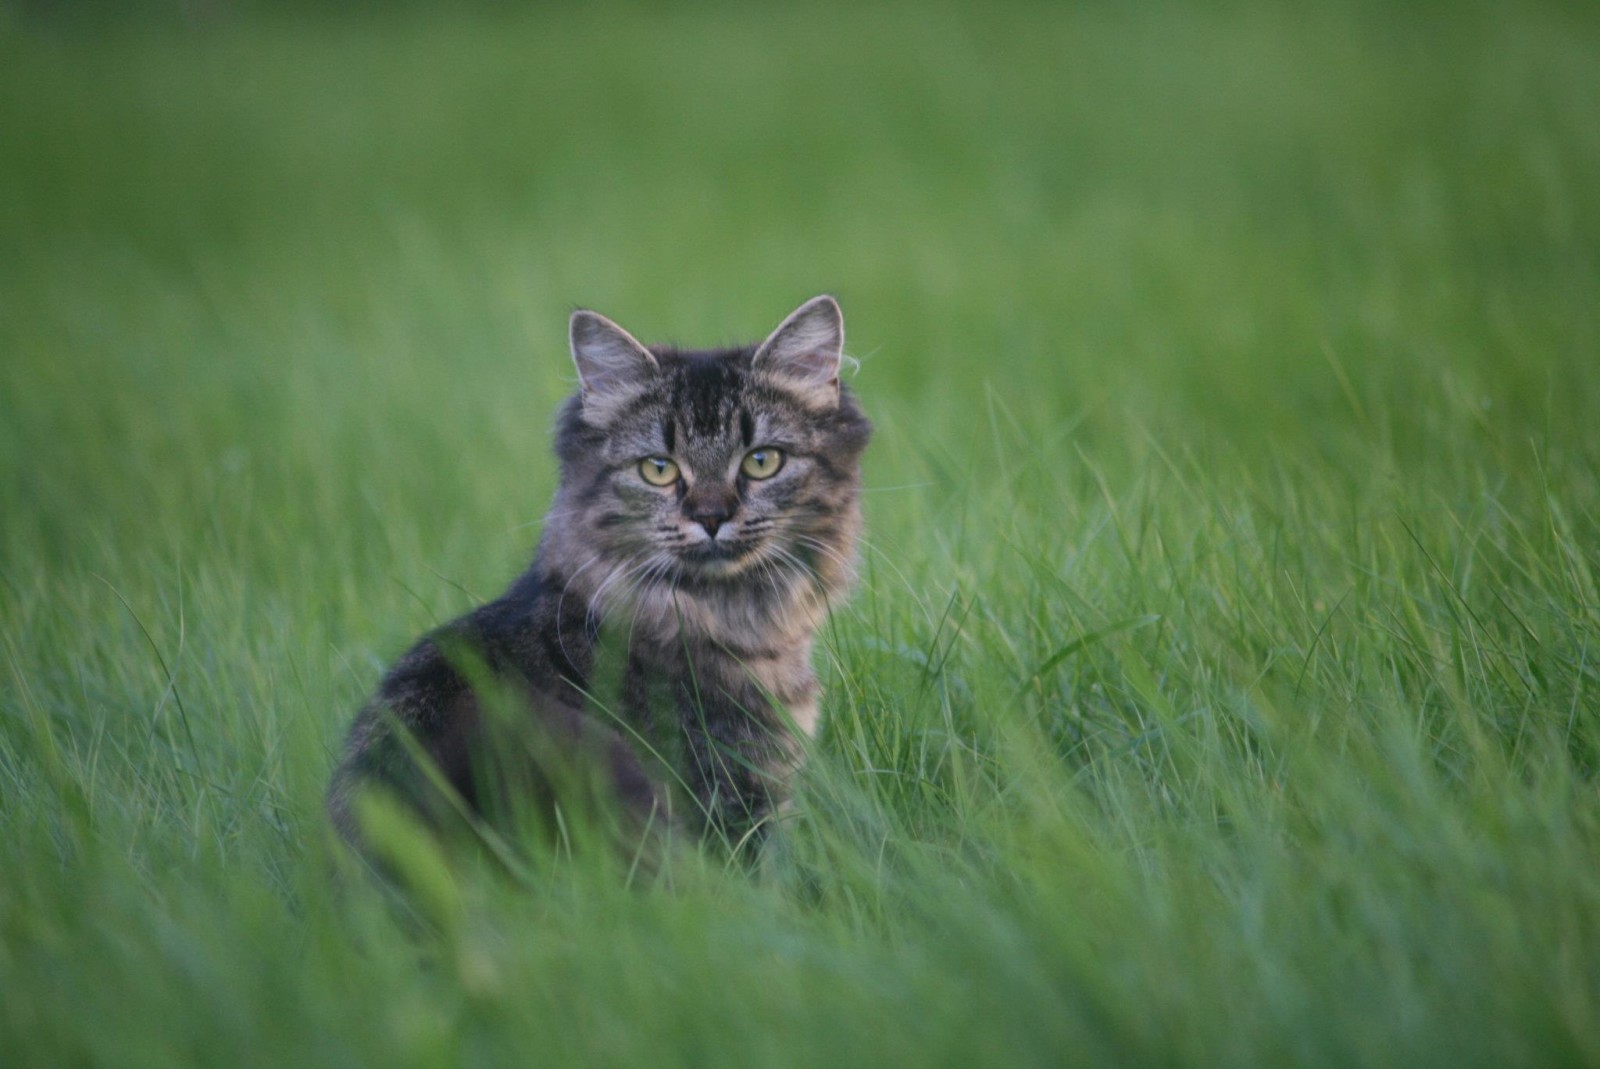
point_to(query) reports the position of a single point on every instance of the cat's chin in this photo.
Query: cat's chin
(718, 561)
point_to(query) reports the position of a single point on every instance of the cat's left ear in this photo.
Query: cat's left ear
(804, 352)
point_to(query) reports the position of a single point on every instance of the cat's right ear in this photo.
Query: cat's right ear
(612, 366)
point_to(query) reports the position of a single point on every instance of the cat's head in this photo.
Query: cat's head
(712, 468)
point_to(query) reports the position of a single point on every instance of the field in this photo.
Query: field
(1223, 686)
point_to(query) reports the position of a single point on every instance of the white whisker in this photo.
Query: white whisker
(623, 572)
(822, 547)
(886, 489)
(561, 637)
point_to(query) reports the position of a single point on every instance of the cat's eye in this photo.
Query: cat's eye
(658, 471)
(762, 463)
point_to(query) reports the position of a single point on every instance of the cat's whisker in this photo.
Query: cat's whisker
(802, 572)
(659, 560)
(561, 600)
(766, 571)
(888, 560)
(543, 521)
(640, 577)
(780, 583)
(591, 606)
(788, 555)
(902, 486)
(623, 572)
(821, 546)
(826, 550)
(585, 566)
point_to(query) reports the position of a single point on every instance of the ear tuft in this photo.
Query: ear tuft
(805, 351)
(612, 365)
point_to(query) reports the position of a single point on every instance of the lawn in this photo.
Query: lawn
(1223, 685)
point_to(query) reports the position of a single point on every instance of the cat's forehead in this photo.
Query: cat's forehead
(705, 390)
(705, 405)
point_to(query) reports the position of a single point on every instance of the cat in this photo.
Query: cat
(706, 518)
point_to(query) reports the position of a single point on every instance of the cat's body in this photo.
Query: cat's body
(705, 520)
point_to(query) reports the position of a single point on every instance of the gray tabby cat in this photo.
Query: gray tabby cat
(706, 518)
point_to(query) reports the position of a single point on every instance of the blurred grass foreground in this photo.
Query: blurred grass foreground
(1224, 683)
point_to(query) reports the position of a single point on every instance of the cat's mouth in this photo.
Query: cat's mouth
(718, 558)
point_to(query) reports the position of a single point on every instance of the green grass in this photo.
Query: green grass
(1224, 685)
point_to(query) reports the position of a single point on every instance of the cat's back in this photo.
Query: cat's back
(430, 698)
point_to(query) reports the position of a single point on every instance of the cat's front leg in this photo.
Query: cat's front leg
(741, 761)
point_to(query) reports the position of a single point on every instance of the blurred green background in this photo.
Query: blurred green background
(1222, 684)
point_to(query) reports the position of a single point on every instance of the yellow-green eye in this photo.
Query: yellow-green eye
(762, 463)
(658, 471)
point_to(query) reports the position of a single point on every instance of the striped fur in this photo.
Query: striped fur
(714, 586)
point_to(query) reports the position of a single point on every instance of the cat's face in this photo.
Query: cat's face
(691, 469)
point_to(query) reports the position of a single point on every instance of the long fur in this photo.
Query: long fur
(717, 619)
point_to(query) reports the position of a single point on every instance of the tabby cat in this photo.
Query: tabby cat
(706, 518)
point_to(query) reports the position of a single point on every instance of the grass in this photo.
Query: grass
(1224, 685)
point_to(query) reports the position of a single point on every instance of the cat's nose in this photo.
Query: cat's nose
(711, 516)
(710, 510)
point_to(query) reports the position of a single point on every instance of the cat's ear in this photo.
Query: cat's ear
(612, 365)
(804, 352)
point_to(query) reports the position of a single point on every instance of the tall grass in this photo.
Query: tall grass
(1224, 684)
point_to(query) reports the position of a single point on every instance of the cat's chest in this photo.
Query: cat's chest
(732, 623)
(633, 684)
(639, 681)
